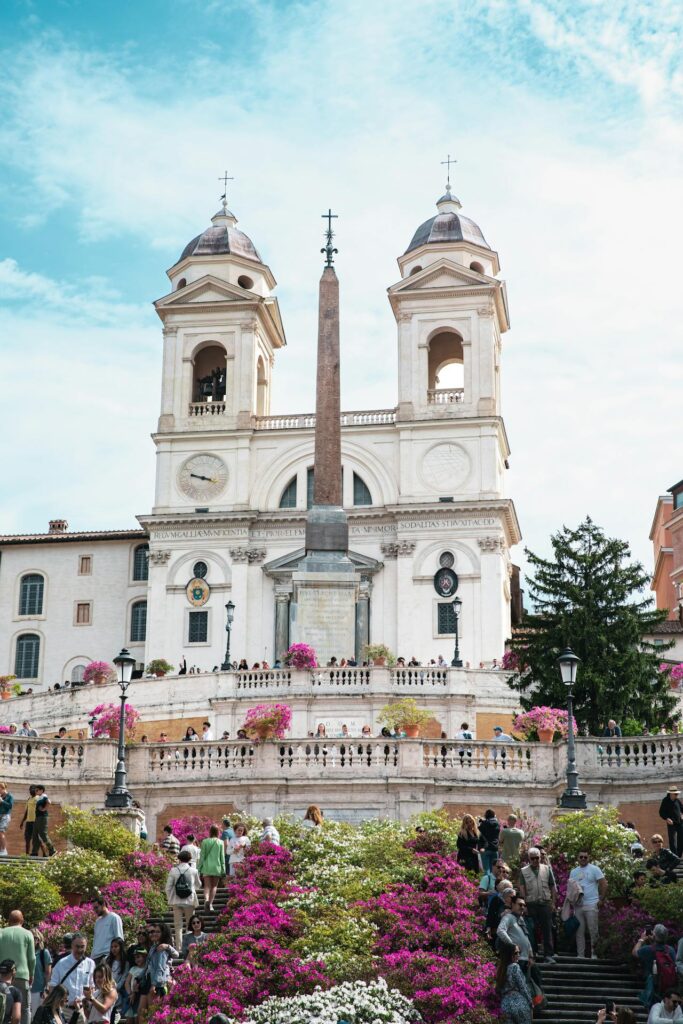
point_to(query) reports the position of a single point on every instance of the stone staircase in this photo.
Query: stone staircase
(577, 988)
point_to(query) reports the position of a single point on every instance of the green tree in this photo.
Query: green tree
(590, 596)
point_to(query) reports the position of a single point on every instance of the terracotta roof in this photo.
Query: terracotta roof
(65, 538)
(668, 626)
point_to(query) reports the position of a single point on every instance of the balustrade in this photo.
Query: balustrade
(306, 421)
(652, 754)
(341, 677)
(58, 759)
(445, 396)
(419, 677)
(335, 756)
(206, 409)
(198, 761)
(263, 679)
(472, 758)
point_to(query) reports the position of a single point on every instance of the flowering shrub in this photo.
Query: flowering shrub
(511, 661)
(25, 886)
(146, 866)
(99, 668)
(101, 832)
(371, 1003)
(675, 672)
(134, 901)
(529, 722)
(197, 825)
(4, 729)
(106, 721)
(620, 927)
(267, 720)
(301, 656)
(81, 871)
(606, 840)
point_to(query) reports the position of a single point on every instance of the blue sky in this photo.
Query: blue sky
(566, 123)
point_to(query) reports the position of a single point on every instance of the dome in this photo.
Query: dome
(448, 225)
(221, 239)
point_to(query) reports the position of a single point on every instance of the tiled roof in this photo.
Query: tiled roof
(65, 538)
(669, 626)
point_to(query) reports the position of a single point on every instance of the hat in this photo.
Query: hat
(140, 951)
(498, 728)
(7, 966)
(673, 789)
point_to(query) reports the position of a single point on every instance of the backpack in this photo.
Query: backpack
(4, 992)
(183, 889)
(664, 971)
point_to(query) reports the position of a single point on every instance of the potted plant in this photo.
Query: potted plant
(5, 691)
(159, 667)
(98, 672)
(378, 654)
(405, 716)
(542, 723)
(267, 721)
(301, 656)
(16, 689)
(675, 674)
(105, 721)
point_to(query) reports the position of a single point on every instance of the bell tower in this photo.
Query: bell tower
(221, 329)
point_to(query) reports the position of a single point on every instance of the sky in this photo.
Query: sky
(565, 119)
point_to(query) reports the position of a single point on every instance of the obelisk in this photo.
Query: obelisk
(326, 584)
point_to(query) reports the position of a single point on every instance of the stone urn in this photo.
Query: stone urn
(379, 662)
(546, 735)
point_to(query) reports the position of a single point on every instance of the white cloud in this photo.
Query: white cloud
(353, 105)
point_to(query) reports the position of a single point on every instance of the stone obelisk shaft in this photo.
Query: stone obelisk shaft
(327, 459)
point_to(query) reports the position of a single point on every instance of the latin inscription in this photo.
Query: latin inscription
(356, 530)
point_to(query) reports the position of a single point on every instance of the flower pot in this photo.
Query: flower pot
(100, 679)
(5, 694)
(546, 735)
(160, 675)
(73, 899)
(411, 731)
(379, 661)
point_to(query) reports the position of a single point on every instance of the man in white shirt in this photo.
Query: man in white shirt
(669, 1009)
(75, 971)
(192, 848)
(500, 736)
(207, 732)
(108, 926)
(594, 886)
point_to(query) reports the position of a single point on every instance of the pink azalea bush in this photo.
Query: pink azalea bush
(528, 723)
(147, 866)
(268, 718)
(197, 825)
(98, 668)
(301, 656)
(675, 672)
(134, 900)
(106, 721)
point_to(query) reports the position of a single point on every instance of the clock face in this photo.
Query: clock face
(202, 477)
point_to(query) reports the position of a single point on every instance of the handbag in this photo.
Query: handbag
(571, 926)
(538, 998)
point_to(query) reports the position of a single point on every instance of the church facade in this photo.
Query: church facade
(423, 483)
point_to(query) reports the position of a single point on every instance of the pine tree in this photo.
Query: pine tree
(589, 597)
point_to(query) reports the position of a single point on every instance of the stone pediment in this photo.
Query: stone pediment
(285, 565)
(443, 274)
(207, 289)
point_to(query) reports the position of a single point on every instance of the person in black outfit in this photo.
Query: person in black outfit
(671, 811)
(468, 844)
(489, 833)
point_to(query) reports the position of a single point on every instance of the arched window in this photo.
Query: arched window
(288, 499)
(141, 562)
(181, 283)
(477, 267)
(77, 673)
(138, 622)
(27, 656)
(261, 388)
(361, 492)
(446, 367)
(210, 374)
(31, 594)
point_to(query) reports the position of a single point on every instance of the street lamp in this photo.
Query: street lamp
(457, 605)
(230, 613)
(119, 795)
(572, 798)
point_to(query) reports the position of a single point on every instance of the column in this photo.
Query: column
(384, 632)
(363, 617)
(281, 623)
(241, 633)
(404, 598)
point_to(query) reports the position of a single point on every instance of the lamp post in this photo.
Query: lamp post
(572, 798)
(230, 614)
(119, 795)
(457, 605)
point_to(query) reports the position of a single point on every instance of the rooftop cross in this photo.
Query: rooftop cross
(225, 179)
(328, 249)
(447, 163)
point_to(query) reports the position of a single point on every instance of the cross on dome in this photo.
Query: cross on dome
(224, 198)
(447, 163)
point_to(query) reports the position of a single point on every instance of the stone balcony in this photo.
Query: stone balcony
(445, 396)
(306, 421)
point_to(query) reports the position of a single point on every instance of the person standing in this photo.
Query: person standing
(671, 811)
(270, 834)
(6, 804)
(108, 926)
(41, 839)
(17, 945)
(211, 864)
(512, 931)
(539, 889)
(13, 1007)
(511, 838)
(42, 971)
(182, 883)
(207, 732)
(238, 847)
(194, 936)
(511, 986)
(75, 971)
(489, 834)
(170, 843)
(29, 819)
(593, 884)
(191, 848)
(468, 844)
(100, 998)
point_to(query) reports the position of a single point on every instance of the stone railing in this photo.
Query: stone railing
(306, 421)
(263, 679)
(445, 396)
(369, 759)
(342, 678)
(422, 678)
(206, 409)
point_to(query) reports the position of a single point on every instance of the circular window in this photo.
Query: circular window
(245, 282)
(200, 569)
(447, 560)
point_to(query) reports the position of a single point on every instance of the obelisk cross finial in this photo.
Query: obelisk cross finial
(328, 248)
(225, 179)
(447, 163)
